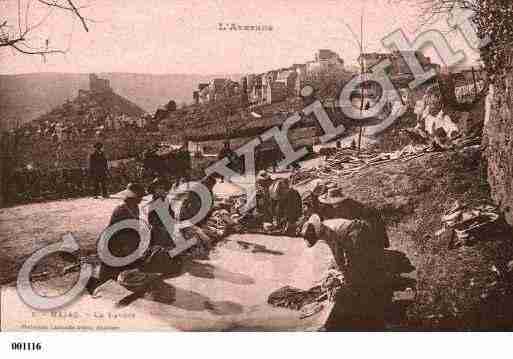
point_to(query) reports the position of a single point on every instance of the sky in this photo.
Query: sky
(166, 36)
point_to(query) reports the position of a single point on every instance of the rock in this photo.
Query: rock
(499, 153)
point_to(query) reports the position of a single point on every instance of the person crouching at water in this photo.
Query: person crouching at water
(192, 203)
(360, 304)
(160, 236)
(335, 204)
(352, 243)
(287, 206)
(263, 182)
(125, 242)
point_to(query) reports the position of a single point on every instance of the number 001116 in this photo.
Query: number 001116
(26, 346)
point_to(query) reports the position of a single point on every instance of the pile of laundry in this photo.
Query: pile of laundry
(309, 301)
(294, 298)
(221, 223)
(464, 224)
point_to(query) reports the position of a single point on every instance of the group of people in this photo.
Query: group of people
(174, 162)
(156, 259)
(177, 165)
(278, 207)
(355, 232)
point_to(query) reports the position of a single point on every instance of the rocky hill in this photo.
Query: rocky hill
(28, 96)
(88, 104)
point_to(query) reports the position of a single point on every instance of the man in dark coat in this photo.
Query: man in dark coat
(151, 160)
(160, 236)
(234, 163)
(192, 203)
(125, 241)
(226, 151)
(184, 163)
(98, 169)
(263, 182)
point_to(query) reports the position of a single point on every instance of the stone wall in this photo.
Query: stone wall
(36, 169)
(44, 153)
(498, 140)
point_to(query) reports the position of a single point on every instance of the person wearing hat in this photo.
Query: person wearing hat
(312, 203)
(264, 179)
(191, 206)
(125, 241)
(159, 188)
(192, 203)
(351, 242)
(287, 206)
(441, 141)
(151, 160)
(98, 169)
(227, 152)
(334, 204)
(261, 213)
(183, 165)
(360, 304)
(263, 182)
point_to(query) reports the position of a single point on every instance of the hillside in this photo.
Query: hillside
(28, 96)
(89, 104)
(451, 286)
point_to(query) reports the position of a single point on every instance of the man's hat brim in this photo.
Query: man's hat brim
(325, 199)
(131, 194)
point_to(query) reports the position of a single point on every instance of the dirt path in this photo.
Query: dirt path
(412, 195)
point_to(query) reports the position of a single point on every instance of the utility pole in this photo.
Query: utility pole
(475, 83)
(362, 70)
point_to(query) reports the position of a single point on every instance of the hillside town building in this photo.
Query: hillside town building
(398, 59)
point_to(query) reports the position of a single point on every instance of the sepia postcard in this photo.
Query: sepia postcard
(256, 166)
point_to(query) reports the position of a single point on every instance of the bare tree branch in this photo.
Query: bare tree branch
(20, 36)
(71, 8)
(41, 52)
(75, 10)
